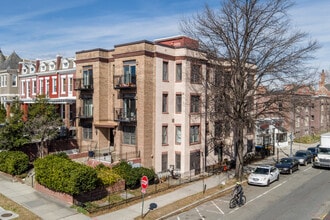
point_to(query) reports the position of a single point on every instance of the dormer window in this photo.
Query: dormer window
(43, 67)
(52, 66)
(32, 69)
(65, 64)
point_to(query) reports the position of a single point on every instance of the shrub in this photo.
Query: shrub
(13, 162)
(132, 176)
(60, 174)
(107, 175)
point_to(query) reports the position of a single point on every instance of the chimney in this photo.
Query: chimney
(37, 65)
(58, 62)
(322, 81)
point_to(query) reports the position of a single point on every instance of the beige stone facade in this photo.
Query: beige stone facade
(138, 107)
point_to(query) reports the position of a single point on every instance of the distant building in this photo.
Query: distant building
(52, 78)
(9, 77)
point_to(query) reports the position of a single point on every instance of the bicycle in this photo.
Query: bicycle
(235, 201)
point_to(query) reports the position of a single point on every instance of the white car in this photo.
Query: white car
(264, 175)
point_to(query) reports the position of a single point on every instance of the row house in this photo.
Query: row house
(142, 102)
(8, 77)
(52, 78)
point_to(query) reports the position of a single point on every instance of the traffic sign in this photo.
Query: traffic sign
(144, 183)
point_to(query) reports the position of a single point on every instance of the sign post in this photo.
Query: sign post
(144, 186)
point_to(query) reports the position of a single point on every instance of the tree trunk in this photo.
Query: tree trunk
(239, 150)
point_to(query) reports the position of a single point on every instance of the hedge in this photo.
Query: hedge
(59, 173)
(14, 162)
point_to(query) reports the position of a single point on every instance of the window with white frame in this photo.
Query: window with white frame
(1, 81)
(14, 80)
(41, 87)
(23, 87)
(63, 84)
(28, 88)
(52, 66)
(34, 86)
(54, 81)
(43, 67)
(70, 84)
(5, 81)
(47, 87)
(87, 133)
(65, 64)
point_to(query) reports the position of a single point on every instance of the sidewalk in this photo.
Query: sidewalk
(50, 209)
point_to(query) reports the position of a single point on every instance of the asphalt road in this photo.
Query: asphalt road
(303, 195)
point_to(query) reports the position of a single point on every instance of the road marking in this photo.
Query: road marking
(178, 218)
(307, 169)
(200, 215)
(218, 207)
(266, 192)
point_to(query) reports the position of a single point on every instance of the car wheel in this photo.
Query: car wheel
(305, 162)
(268, 182)
(298, 167)
(290, 171)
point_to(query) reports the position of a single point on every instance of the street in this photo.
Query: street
(303, 195)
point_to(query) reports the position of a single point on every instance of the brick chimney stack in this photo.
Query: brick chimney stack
(322, 81)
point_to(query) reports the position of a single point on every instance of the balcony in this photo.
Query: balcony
(125, 115)
(127, 81)
(85, 114)
(81, 84)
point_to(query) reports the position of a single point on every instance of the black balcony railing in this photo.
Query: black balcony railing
(85, 114)
(125, 115)
(81, 84)
(124, 81)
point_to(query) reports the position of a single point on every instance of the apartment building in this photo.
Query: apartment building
(8, 77)
(142, 102)
(52, 78)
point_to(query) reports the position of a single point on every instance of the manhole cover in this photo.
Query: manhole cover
(6, 215)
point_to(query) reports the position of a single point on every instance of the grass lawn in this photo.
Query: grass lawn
(10, 205)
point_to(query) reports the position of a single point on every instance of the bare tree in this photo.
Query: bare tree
(255, 54)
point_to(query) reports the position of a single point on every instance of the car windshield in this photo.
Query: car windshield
(324, 151)
(313, 150)
(300, 154)
(286, 160)
(261, 170)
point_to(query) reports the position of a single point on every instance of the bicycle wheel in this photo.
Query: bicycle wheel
(233, 203)
(243, 200)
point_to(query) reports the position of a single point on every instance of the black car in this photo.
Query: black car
(288, 165)
(304, 157)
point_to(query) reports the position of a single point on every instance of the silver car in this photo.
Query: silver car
(264, 175)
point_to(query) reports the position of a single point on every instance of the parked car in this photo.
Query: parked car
(287, 165)
(264, 175)
(304, 157)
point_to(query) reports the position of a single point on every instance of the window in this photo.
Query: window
(280, 106)
(164, 161)
(129, 110)
(63, 85)
(5, 81)
(88, 77)
(41, 86)
(165, 71)
(14, 80)
(194, 134)
(218, 130)
(34, 86)
(177, 160)
(178, 134)
(70, 85)
(129, 135)
(28, 88)
(178, 76)
(195, 74)
(54, 80)
(88, 107)
(129, 72)
(87, 133)
(164, 135)
(23, 87)
(194, 105)
(178, 103)
(164, 103)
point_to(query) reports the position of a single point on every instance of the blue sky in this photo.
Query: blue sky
(43, 28)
